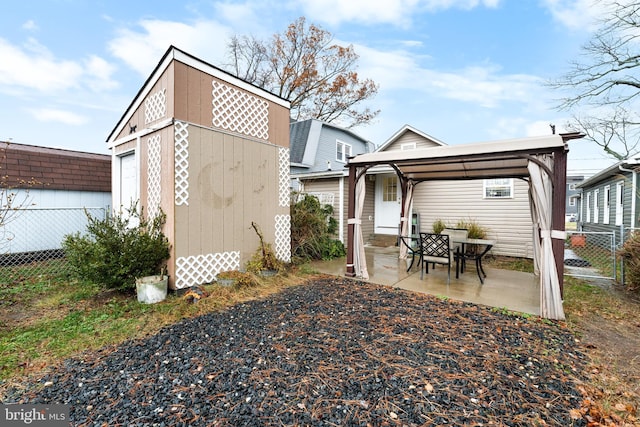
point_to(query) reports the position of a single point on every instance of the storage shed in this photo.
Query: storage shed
(211, 151)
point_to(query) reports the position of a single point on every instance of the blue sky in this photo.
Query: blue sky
(461, 71)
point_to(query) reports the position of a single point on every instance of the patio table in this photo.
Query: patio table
(462, 255)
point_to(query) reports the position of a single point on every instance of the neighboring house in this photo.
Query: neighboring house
(52, 187)
(211, 151)
(499, 205)
(319, 153)
(609, 199)
(573, 195)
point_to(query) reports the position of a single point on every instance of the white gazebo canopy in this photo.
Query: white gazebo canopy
(542, 161)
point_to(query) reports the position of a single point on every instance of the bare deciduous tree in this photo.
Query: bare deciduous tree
(615, 132)
(305, 66)
(607, 78)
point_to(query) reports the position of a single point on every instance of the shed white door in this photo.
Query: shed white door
(128, 181)
(388, 199)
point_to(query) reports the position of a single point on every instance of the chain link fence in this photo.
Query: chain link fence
(591, 254)
(31, 243)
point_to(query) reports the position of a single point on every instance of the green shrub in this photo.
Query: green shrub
(630, 251)
(118, 249)
(312, 231)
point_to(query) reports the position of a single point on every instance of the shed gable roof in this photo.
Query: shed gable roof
(54, 168)
(175, 54)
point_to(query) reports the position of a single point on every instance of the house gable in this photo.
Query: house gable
(410, 136)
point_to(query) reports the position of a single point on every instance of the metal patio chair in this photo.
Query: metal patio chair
(413, 248)
(436, 250)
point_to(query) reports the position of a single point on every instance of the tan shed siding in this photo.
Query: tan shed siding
(232, 182)
(167, 205)
(166, 83)
(409, 137)
(192, 95)
(508, 221)
(127, 146)
(279, 125)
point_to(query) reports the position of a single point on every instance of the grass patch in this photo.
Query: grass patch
(508, 263)
(50, 317)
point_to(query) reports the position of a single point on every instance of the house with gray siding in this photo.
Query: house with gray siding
(608, 200)
(319, 153)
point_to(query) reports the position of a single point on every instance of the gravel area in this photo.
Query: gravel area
(330, 352)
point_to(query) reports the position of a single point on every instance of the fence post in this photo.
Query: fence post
(622, 258)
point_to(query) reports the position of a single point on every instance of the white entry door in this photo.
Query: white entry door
(388, 199)
(128, 182)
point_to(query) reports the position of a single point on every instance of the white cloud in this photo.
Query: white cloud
(142, 49)
(482, 85)
(99, 74)
(58, 116)
(576, 14)
(30, 25)
(397, 12)
(35, 67)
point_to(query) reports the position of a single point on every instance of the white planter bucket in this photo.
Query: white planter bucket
(152, 289)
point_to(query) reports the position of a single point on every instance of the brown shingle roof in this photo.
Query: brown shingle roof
(53, 168)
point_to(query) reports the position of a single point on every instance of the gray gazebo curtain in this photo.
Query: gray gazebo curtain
(359, 258)
(541, 193)
(405, 222)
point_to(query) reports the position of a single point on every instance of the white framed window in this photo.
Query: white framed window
(498, 188)
(572, 187)
(343, 151)
(588, 207)
(606, 204)
(572, 201)
(619, 202)
(390, 189)
(596, 206)
(408, 146)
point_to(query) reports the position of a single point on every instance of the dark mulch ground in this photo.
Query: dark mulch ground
(331, 352)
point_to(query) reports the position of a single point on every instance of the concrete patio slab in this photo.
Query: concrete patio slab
(512, 290)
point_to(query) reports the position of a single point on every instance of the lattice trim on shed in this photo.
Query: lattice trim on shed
(283, 181)
(154, 174)
(240, 112)
(283, 237)
(181, 158)
(199, 269)
(155, 106)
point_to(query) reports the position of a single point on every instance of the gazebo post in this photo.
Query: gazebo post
(559, 207)
(351, 210)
